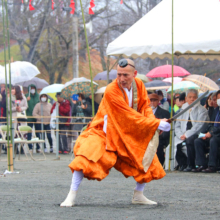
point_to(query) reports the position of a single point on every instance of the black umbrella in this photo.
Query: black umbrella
(157, 83)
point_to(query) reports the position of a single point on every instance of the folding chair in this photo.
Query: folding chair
(1, 143)
(27, 129)
(17, 141)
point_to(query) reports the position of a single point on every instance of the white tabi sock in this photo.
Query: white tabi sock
(76, 180)
(140, 187)
(138, 196)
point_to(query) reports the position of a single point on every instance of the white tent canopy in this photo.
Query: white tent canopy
(196, 32)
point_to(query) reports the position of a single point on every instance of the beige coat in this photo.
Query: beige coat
(46, 112)
(23, 105)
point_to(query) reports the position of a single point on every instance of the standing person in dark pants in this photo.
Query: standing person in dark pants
(81, 108)
(32, 99)
(211, 138)
(43, 108)
(3, 109)
(165, 136)
(64, 110)
(3, 105)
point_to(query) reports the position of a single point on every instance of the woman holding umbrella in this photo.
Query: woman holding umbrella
(18, 107)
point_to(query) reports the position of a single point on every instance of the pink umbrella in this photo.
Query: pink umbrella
(175, 79)
(166, 71)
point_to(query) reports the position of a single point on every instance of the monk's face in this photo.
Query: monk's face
(125, 76)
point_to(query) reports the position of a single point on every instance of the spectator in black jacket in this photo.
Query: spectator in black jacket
(164, 138)
(212, 140)
(80, 109)
(214, 100)
(209, 105)
(89, 100)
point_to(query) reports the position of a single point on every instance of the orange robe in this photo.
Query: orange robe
(125, 142)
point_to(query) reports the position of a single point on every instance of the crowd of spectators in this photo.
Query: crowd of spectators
(35, 111)
(197, 131)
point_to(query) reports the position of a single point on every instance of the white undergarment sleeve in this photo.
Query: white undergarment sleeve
(164, 126)
(140, 187)
(105, 123)
(76, 180)
(130, 96)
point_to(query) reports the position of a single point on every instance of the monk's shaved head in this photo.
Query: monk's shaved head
(130, 62)
(126, 73)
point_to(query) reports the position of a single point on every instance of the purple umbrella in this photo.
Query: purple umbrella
(103, 75)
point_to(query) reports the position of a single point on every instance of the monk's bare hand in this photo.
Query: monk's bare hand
(28, 98)
(164, 119)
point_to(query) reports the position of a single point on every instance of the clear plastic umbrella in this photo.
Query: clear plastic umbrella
(39, 83)
(203, 82)
(20, 71)
(183, 86)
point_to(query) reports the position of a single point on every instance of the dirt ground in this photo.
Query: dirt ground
(40, 186)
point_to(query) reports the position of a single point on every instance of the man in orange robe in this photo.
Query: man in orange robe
(119, 137)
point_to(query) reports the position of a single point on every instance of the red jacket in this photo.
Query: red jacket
(64, 109)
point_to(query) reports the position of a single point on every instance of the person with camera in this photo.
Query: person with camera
(80, 108)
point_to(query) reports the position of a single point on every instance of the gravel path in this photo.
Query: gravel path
(35, 193)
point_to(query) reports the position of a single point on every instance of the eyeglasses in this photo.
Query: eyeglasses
(123, 63)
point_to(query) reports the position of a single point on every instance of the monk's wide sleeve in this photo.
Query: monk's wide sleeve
(129, 131)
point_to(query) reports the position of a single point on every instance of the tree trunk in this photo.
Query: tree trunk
(75, 48)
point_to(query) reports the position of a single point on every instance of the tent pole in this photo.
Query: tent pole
(115, 63)
(90, 66)
(171, 137)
